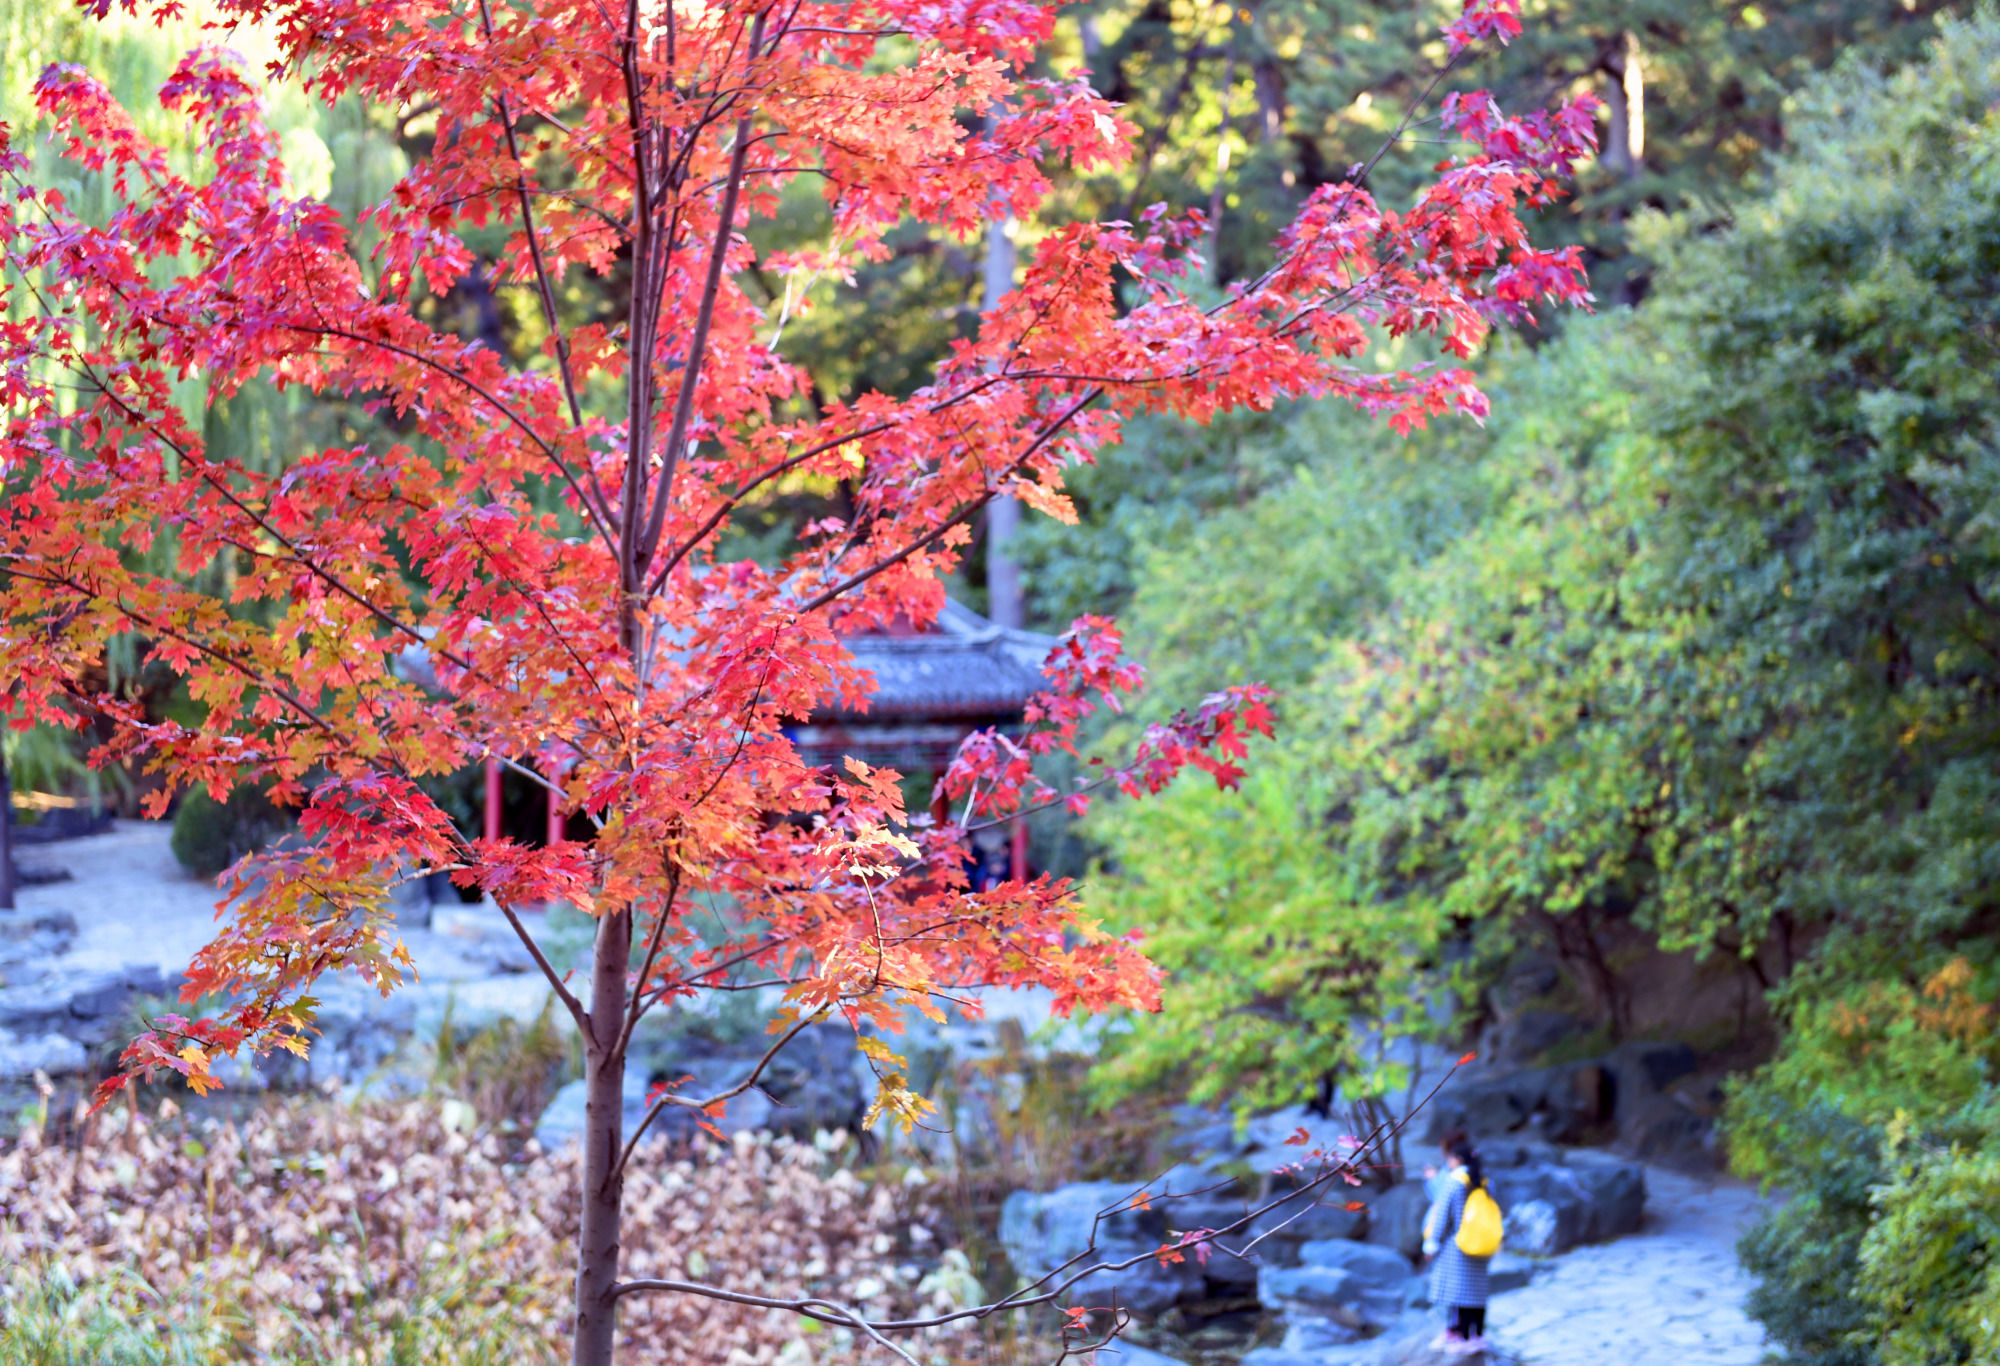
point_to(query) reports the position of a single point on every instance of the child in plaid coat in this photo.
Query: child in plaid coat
(1458, 1282)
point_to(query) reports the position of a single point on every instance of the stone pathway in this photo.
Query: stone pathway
(1670, 1295)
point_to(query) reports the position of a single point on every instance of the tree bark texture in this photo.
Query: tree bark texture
(603, 1139)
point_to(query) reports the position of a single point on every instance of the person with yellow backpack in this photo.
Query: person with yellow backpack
(1462, 1231)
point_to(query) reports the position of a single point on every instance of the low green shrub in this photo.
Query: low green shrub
(210, 835)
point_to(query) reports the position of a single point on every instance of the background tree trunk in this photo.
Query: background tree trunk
(603, 1137)
(1003, 515)
(6, 838)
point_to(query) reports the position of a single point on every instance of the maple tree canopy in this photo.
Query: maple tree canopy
(610, 649)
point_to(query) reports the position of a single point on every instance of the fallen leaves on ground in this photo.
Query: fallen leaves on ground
(326, 1230)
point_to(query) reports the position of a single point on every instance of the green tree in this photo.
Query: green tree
(1720, 662)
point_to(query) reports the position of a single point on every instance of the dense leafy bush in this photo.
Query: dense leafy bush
(210, 835)
(1806, 1254)
(1879, 1118)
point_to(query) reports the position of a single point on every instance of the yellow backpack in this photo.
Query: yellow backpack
(1479, 1227)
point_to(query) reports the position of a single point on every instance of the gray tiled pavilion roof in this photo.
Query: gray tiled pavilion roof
(964, 668)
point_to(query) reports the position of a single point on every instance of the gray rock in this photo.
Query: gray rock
(1616, 1190)
(1507, 1271)
(1316, 1215)
(1306, 1334)
(1564, 1104)
(1396, 1218)
(811, 1085)
(563, 1118)
(1328, 1292)
(1193, 1196)
(53, 1054)
(1647, 1068)
(1588, 1198)
(1352, 1284)
(1376, 1266)
(1042, 1232)
(1201, 1133)
(1525, 1037)
(1562, 1196)
(815, 1084)
(1665, 1129)
(1533, 1227)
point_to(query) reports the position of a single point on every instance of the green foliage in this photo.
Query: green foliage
(47, 1319)
(44, 758)
(1930, 1264)
(1719, 660)
(1806, 1254)
(210, 835)
(1291, 910)
(1879, 1117)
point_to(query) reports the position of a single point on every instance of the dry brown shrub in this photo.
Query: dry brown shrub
(327, 1230)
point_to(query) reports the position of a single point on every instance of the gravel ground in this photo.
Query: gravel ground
(134, 905)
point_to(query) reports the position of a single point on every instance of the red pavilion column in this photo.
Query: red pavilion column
(492, 799)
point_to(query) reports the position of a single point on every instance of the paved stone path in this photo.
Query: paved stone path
(1670, 1295)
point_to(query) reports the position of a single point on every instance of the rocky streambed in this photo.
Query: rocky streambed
(1608, 1260)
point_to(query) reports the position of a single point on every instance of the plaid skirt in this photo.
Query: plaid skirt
(1457, 1279)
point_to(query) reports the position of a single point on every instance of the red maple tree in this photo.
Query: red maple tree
(610, 653)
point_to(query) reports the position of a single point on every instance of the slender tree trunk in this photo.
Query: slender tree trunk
(1625, 96)
(6, 838)
(603, 1136)
(1003, 514)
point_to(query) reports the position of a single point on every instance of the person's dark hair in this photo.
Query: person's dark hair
(1457, 1144)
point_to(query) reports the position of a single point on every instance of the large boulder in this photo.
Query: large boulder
(1648, 1067)
(1568, 1104)
(89, 1007)
(1351, 1284)
(1396, 1218)
(1046, 1231)
(563, 1118)
(1616, 1191)
(1310, 1333)
(1192, 1196)
(1587, 1198)
(1655, 1122)
(1318, 1214)
(1378, 1267)
(815, 1083)
(1327, 1292)
(50, 1054)
(1523, 1038)
(1667, 1130)
(1534, 1228)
